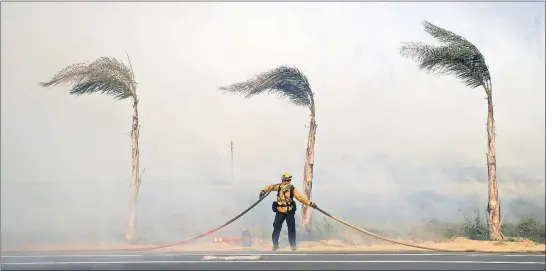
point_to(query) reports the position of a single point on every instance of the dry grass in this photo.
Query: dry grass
(435, 235)
(521, 245)
(454, 244)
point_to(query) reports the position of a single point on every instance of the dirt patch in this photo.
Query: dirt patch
(458, 244)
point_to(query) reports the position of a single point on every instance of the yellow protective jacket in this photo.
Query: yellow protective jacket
(284, 196)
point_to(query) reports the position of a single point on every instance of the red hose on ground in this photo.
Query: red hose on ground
(153, 247)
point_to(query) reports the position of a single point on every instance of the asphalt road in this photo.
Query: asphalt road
(272, 261)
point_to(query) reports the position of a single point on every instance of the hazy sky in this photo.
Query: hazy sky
(371, 102)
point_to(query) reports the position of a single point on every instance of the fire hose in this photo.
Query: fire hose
(154, 247)
(385, 238)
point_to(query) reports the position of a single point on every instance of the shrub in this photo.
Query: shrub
(320, 229)
(532, 229)
(445, 230)
(509, 229)
(475, 228)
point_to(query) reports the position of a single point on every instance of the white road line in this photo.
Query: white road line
(275, 254)
(231, 257)
(71, 255)
(241, 262)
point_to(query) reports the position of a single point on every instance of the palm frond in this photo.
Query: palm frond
(456, 57)
(106, 75)
(283, 81)
(442, 35)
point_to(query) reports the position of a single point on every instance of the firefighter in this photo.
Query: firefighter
(285, 208)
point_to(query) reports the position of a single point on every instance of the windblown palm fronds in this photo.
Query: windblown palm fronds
(461, 58)
(111, 77)
(286, 82)
(291, 84)
(458, 57)
(106, 75)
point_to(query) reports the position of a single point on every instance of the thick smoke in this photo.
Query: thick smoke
(395, 145)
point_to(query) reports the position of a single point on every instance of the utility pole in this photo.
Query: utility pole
(231, 147)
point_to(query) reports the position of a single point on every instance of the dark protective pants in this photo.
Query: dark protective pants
(277, 226)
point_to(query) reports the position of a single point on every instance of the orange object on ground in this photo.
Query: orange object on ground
(245, 239)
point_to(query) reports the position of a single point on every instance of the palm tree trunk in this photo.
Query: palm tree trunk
(308, 170)
(135, 180)
(493, 207)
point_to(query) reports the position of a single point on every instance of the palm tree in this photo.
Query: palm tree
(459, 57)
(110, 77)
(291, 84)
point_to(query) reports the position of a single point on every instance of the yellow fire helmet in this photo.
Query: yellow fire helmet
(286, 176)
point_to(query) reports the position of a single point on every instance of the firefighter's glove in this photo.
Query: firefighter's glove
(313, 205)
(262, 194)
